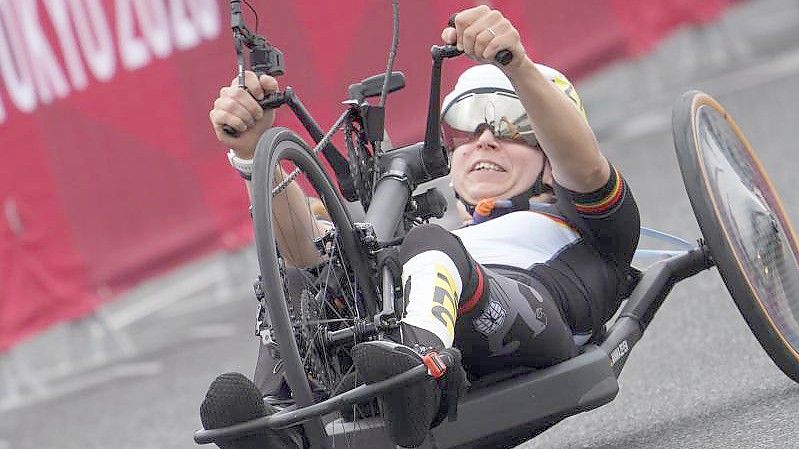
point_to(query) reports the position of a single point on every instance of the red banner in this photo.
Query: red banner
(111, 173)
(645, 23)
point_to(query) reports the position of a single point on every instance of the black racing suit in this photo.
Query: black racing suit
(516, 313)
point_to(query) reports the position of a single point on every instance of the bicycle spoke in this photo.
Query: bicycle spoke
(329, 321)
(350, 283)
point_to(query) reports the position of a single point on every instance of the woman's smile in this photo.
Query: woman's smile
(487, 167)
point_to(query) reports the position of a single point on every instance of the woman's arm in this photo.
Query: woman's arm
(295, 224)
(562, 131)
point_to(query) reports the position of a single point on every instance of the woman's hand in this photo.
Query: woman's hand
(237, 108)
(482, 32)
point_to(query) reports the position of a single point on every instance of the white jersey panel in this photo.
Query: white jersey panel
(519, 239)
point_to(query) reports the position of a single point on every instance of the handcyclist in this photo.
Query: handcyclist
(545, 258)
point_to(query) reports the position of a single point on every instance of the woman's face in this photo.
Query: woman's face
(487, 167)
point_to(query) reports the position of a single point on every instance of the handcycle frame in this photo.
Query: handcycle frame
(573, 386)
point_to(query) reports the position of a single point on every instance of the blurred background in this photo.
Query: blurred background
(126, 258)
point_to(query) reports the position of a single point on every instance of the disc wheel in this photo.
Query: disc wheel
(316, 278)
(743, 222)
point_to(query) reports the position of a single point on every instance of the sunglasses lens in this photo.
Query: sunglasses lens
(454, 138)
(475, 111)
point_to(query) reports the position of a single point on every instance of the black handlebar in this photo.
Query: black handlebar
(504, 57)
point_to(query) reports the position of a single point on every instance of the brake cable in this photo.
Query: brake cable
(392, 54)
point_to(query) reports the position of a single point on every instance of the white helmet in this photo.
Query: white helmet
(484, 98)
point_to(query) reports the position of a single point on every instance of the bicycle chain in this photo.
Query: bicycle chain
(322, 143)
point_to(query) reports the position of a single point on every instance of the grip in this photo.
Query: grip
(230, 131)
(504, 57)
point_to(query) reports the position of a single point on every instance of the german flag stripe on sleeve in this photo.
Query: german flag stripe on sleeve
(603, 200)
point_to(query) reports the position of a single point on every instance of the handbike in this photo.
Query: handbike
(318, 314)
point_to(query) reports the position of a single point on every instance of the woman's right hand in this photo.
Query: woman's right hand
(481, 33)
(237, 108)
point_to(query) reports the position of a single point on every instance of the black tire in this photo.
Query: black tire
(743, 222)
(334, 295)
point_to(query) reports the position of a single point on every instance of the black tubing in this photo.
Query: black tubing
(389, 200)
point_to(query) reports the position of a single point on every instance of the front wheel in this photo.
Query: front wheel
(743, 221)
(318, 310)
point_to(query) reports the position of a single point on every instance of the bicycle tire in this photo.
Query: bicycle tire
(299, 319)
(758, 259)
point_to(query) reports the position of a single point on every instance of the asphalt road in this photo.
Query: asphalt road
(697, 379)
